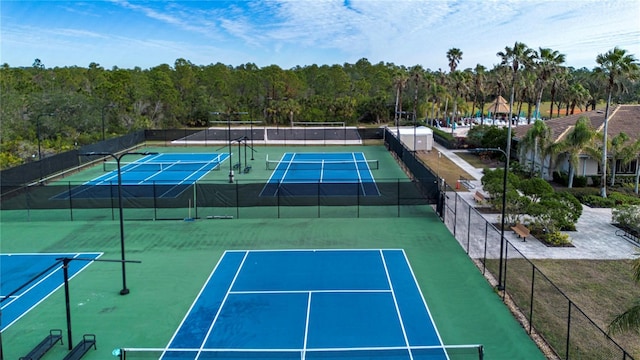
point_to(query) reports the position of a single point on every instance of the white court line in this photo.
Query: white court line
(194, 302)
(54, 271)
(306, 328)
(395, 302)
(424, 301)
(305, 349)
(258, 292)
(224, 300)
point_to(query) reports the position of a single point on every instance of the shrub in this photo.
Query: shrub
(444, 134)
(475, 134)
(597, 201)
(535, 187)
(557, 238)
(580, 193)
(628, 215)
(556, 211)
(494, 137)
(621, 198)
(561, 178)
(580, 181)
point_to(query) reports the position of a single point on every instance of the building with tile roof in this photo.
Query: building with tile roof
(622, 118)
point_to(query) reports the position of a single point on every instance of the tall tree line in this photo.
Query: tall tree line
(63, 107)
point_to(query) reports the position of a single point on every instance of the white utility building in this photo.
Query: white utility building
(415, 138)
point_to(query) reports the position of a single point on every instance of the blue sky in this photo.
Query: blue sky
(130, 33)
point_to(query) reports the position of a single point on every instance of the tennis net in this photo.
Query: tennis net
(450, 352)
(324, 165)
(184, 166)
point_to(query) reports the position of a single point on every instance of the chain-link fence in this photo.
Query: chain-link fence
(566, 328)
(211, 199)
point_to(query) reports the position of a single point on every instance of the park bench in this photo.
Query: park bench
(521, 230)
(88, 342)
(247, 169)
(55, 335)
(479, 197)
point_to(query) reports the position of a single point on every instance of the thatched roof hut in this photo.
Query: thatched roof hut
(498, 106)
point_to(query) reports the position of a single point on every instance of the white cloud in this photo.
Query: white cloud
(302, 32)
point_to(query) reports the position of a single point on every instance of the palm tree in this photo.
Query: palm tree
(459, 82)
(547, 62)
(535, 140)
(417, 75)
(577, 95)
(498, 79)
(527, 86)
(630, 319)
(616, 65)
(558, 81)
(617, 152)
(516, 58)
(454, 55)
(580, 137)
(399, 82)
(479, 89)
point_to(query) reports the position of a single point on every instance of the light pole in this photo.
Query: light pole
(229, 137)
(504, 206)
(65, 271)
(38, 132)
(118, 157)
(103, 108)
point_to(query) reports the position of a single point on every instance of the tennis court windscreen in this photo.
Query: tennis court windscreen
(183, 166)
(324, 165)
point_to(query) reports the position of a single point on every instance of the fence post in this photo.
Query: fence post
(357, 199)
(70, 200)
(568, 330)
(398, 194)
(237, 199)
(455, 214)
(155, 204)
(113, 214)
(533, 280)
(484, 259)
(506, 261)
(468, 229)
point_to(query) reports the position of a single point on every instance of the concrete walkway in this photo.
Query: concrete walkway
(594, 237)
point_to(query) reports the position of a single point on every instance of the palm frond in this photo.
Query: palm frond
(627, 321)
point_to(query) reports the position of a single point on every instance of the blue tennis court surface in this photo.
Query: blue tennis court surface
(153, 176)
(27, 279)
(322, 174)
(308, 304)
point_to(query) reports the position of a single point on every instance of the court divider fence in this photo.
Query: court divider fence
(69, 201)
(548, 311)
